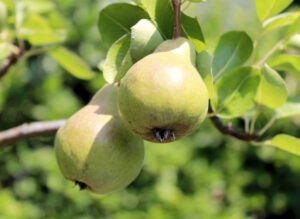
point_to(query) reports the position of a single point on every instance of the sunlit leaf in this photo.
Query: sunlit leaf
(280, 21)
(144, 39)
(37, 6)
(294, 42)
(294, 28)
(272, 91)
(192, 30)
(233, 50)
(288, 109)
(72, 63)
(287, 143)
(288, 63)
(115, 20)
(268, 8)
(161, 12)
(37, 31)
(234, 93)
(204, 66)
(115, 65)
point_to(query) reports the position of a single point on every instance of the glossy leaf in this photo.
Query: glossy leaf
(161, 12)
(280, 21)
(233, 50)
(287, 143)
(115, 60)
(72, 63)
(294, 28)
(288, 109)
(115, 20)
(37, 31)
(234, 93)
(204, 66)
(272, 91)
(288, 63)
(192, 30)
(294, 41)
(268, 8)
(144, 39)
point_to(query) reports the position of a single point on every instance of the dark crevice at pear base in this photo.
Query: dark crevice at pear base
(82, 186)
(161, 134)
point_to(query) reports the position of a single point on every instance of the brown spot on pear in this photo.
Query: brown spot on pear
(162, 97)
(95, 150)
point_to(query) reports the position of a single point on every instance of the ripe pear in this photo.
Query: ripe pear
(180, 46)
(95, 150)
(162, 97)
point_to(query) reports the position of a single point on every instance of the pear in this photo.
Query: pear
(180, 46)
(95, 150)
(162, 97)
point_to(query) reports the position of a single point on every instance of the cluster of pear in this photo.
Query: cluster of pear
(161, 98)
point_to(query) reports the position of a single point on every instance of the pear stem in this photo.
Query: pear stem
(177, 19)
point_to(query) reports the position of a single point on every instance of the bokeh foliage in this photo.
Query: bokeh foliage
(205, 175)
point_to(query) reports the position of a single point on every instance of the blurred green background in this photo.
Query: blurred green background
(205, 175)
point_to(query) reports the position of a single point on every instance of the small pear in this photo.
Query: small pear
(95, 150)
(162, 97)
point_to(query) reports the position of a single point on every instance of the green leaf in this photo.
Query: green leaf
(294, 41)
(233, 50)
(37, 31)
(268, 8)
(287, 143)
(192, 30)
(204, 66)
(272, 91)
(280, 21)
(3, 15)
(38, 6)
(287, 62)
(116, 65)
(115, 20)
(294, 28)
(4, 50)
(235, 92)
(72, 63)
(161, 12)
(288, 109)
(144, 39)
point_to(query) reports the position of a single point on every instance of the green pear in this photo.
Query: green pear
(180, 46)
(95, 150)
(162, 97)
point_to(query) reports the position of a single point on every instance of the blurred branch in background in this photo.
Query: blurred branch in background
(28, 130)
(11, 60)
(49, 128)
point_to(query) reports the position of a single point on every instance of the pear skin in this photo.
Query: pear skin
(162, 97)
(180, 46)
(95, 150)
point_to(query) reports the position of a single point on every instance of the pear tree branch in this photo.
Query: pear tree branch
(11, 60)
(228, 130)
(177, 16)
(29, 130)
